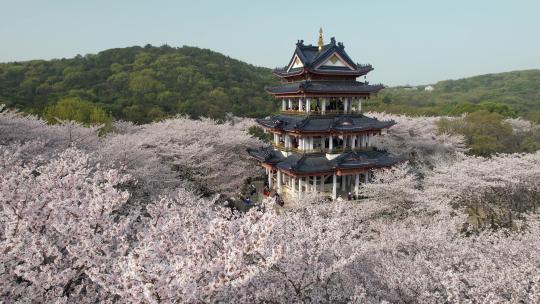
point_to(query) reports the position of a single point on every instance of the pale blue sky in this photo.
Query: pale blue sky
(408, 42)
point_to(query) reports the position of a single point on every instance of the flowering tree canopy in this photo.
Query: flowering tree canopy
(121, 218)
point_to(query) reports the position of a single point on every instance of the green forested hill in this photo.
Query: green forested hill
(147, 83)
(140, 83)
(514, 93)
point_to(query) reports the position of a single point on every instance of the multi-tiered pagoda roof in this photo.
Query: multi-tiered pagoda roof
(321, 132)
(311, 59)
(324, 70)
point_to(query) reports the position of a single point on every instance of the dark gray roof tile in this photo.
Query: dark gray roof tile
(311, 57)
(325, 87)
(317, 163)
(340, 123)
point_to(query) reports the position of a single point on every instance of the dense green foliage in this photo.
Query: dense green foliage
(76, 109)
(141, 84)
(488, 133)
(486, 99)
(510, 94)
(259, 133)
(144, 84)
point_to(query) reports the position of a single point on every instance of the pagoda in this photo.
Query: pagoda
(321, 139)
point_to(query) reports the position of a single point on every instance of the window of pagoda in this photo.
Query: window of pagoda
(279, 140)
(333, 143)
(357, 103)
(343, 184)
(292, 104)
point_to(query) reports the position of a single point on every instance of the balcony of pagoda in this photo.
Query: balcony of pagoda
(329, 144)
(319, 113)
(335, 150)
(321, 106)
(329, 184)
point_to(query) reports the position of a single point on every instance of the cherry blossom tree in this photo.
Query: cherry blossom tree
(211, 154)
(122, 218)
(506, 185)
(418, 138)
(60, 227)
(192, 251)
(199, 154)
(16, 127)
(393, 185)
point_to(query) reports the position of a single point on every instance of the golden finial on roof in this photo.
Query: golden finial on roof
(321, 43)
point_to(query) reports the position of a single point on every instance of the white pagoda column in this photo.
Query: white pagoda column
(334, 187)
(323, 106)
(314, 183)
(283, 105)
(290, 103)
(368, 140)
(300, 187)
(343, 179)
(308, 105)
(359, 105)
(270, 181)
(357, 184)
(330, 143)
(279, 189)
(300, 104)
